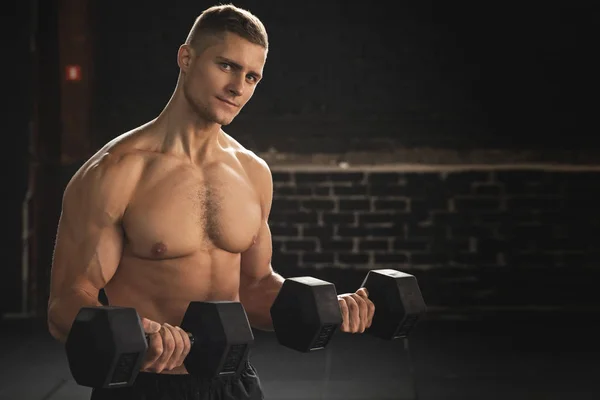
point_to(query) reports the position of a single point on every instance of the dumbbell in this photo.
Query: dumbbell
(306, 311)
(107, 345)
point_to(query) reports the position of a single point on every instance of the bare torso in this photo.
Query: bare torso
(184, 229)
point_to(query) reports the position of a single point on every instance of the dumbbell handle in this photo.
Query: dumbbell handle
(192, 340)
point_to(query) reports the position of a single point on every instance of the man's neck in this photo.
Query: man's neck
(185, 132)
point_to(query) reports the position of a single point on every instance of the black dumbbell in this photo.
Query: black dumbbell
(107, 345)
(306, 311)
(398, 302)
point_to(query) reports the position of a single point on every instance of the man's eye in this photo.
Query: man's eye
(225, 66)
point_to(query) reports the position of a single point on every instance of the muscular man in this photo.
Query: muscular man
(176, 211)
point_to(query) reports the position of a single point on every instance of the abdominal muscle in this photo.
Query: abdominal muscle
(161, 289)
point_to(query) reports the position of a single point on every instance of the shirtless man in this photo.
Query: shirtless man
(176, 211)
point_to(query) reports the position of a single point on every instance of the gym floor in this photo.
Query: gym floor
(512, 355)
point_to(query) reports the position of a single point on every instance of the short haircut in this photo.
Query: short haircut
(216, 20)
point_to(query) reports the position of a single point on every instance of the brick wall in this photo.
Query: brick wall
(474, 238)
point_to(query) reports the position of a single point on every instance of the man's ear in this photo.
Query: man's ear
(184, 57)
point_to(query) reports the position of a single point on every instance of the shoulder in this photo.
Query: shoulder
(117, 159)
(109, 176)
(256, 168)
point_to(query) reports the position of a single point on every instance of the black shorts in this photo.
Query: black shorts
(149, 386)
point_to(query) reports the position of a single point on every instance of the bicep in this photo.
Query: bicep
(86, 256)
(256, 261)
(88, 245)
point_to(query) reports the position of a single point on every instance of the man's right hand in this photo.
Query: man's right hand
(167, 346)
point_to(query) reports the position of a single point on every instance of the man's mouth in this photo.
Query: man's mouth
(228, 102)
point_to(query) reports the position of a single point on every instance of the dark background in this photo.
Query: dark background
(441, 74)
(492, 105)
(340, 77)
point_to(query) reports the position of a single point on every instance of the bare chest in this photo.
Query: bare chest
(181, 212)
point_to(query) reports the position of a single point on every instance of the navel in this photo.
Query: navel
(159, 249)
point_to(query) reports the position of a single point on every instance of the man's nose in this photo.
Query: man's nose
(236, 86)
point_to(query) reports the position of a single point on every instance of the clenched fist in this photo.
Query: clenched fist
(168, 346)
(357, 311)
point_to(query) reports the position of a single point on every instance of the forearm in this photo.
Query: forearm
(257, 298)
(63, 309)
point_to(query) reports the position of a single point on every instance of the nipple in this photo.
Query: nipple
(159, 249)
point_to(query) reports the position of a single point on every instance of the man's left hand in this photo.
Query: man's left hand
(357, 311)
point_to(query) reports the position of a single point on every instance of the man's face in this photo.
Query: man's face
(220, 81)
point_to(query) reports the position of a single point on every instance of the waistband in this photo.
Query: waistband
(191, 378)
